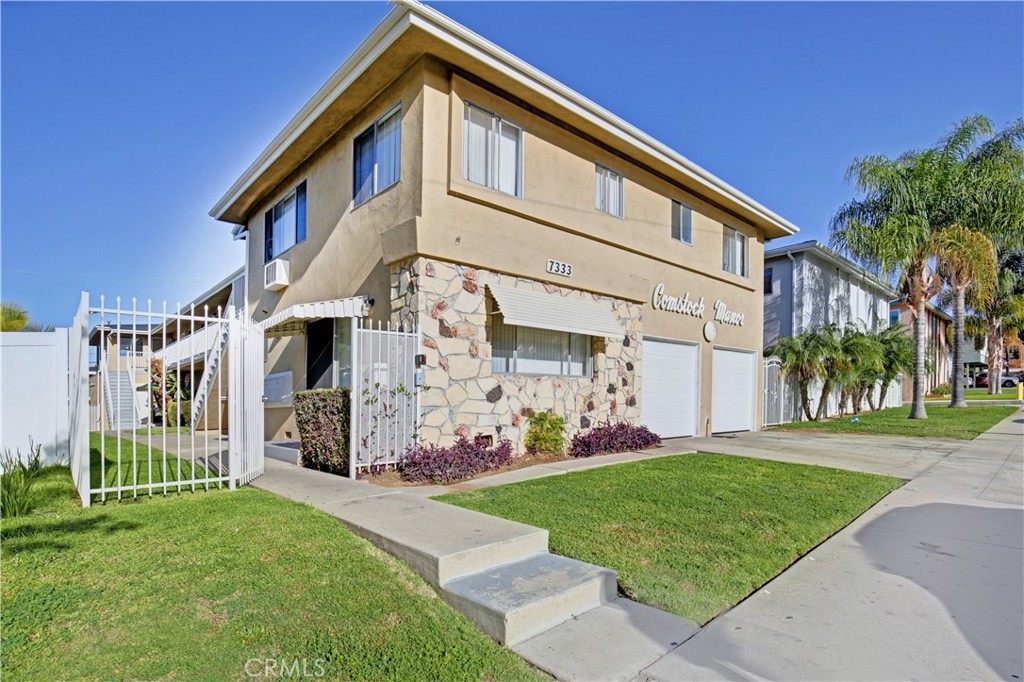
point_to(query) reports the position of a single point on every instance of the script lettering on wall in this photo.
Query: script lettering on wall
(684, 305)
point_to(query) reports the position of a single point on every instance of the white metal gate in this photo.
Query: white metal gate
(385, 398)
(174, 399)
(772, 412)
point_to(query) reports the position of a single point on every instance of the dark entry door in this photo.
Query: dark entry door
(319, 353)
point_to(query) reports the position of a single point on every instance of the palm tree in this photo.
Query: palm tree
(13, 317)
(863, 367)
(889, 228)
(800, 358)
(897, 357)
(999, 317)
(981, 194)
(845, 353)
(966, 258)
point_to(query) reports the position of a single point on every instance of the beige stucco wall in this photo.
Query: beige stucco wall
(432, 212)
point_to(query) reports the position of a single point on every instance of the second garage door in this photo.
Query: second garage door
(732, 391)
(668, 403)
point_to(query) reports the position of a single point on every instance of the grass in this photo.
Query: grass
(136, 464)
(160, 430)
(964, 423)
(691, 534)
(191, 587)
(982, 394)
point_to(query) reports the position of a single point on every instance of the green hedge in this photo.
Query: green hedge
(322, 416)
(179, 413)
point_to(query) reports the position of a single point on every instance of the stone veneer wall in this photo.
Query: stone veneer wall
(463, 397)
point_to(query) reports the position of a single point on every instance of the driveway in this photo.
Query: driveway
(928, 584)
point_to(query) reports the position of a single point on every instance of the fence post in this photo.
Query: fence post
(353, 408)
(235, 396)
(79, 455)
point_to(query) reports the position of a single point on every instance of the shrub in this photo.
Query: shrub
(16, 481)
(322, 416)
(620, 437)
(179, 412)
(942, 389)
(546, 432)
(435, 464)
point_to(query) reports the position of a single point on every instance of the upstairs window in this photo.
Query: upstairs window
(682, 222)
(284, 225)
(735, 252)
(769, 287)
(608, 191)
(377, 156)
(492, 151)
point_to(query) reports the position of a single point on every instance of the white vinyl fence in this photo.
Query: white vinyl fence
(781, 402)
(157, 397)
(385, 398)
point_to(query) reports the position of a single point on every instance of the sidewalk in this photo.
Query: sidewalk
(928, 584)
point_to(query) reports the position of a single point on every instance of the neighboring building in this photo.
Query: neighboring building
(553, 256)
(808, 285)
(1014, 351)
(119, 357)
(937, 349)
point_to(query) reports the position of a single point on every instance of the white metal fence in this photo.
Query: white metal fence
(385, 399)
(782, 403)
(166, 445)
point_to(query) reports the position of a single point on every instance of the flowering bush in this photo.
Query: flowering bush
(435, 464)
(620, 437)
(322, 416)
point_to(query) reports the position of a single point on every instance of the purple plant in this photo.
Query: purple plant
(435, 464)
(322, 416)
(620, 437)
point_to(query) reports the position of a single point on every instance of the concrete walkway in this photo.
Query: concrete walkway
(928, 584)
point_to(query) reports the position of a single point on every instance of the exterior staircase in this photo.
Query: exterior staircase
(119, 394)
(211, 368)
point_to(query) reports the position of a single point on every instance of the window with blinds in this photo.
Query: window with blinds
(492, 151)
(377, 156)
(527, 350)
(608, 191)
(735, 256)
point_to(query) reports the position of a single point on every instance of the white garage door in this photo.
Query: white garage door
(668, 404)
(732, 391)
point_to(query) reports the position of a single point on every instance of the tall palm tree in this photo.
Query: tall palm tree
(897, 357)
(981, 190)
(801, 359)
(13, 317)
(966, 258)
(889, 228)
(999, 317)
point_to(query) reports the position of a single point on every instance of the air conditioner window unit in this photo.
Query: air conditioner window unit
(275, 275)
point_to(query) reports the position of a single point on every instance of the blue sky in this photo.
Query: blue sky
(123, 123)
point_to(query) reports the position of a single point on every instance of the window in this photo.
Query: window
(734, 252)
(284, 225)
(526, 350)
(377, 156)
(894, 317)
(682, 222)
(769, 287)
(492, 151)
(608, 191)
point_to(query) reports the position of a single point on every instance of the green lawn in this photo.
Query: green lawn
(190, 587)
(982, 394)
(964, 423)
(692, 534)
(137, 466)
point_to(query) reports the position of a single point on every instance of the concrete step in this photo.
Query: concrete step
(439, 541)
(615, 641)
(517, 601)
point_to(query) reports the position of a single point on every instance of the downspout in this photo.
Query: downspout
(792, 322)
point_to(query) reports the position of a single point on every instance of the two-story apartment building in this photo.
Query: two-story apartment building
(554, 256)
(938, 362)
(808, 285)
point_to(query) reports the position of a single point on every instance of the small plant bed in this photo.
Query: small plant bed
(691, 534)
(191, 588)
(393, 478)
(980, 394)
(963, 423)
